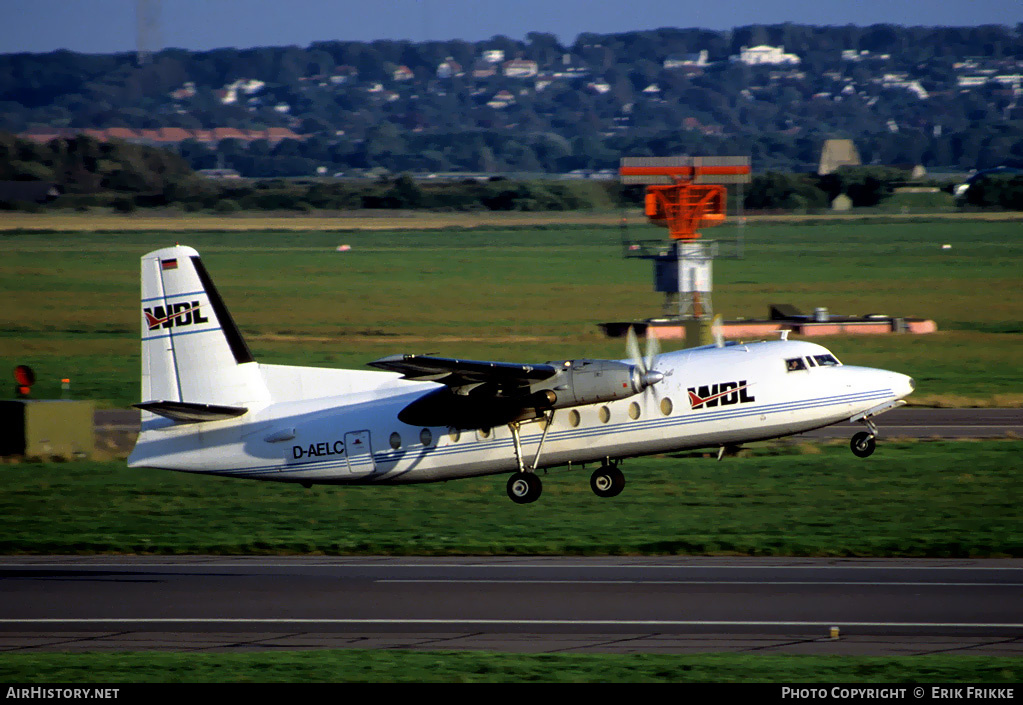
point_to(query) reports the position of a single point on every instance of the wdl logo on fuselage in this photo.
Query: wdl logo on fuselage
(174, 315)
(723, 394)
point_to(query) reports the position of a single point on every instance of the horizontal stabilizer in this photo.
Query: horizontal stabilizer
(186, 412)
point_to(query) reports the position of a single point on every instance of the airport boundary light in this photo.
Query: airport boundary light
(24, 378)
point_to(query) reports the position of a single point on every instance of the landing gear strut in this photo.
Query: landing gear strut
(524, 486)
(862, 444)
(607, 481)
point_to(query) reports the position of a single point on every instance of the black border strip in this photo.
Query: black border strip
(235, 341)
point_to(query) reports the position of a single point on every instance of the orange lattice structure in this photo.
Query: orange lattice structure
(692, 200)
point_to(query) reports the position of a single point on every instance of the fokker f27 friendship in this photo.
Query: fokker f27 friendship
(209, 407)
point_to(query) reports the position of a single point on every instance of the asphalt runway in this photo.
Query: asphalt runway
(914, 422)
(536, 605)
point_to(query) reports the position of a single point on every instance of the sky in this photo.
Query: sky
(106, 26)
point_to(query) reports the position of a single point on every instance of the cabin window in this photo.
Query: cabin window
(633, 411)
(573, 418)
(810, 362)
(826, 360)
(396, 440)
(483, 433)
(425, 437)
(794, 364)
(454, 434)
(666, 406)
(604, 414)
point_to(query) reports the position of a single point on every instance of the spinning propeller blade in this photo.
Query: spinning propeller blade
(648, 376)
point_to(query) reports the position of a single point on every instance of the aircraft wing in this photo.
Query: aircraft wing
(466, 374)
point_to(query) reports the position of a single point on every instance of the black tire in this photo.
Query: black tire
(607, 481)
(862, 444)
(524, 487)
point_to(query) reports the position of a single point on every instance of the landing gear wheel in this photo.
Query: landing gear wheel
(862, 444)
(524, 487)
(607, 481)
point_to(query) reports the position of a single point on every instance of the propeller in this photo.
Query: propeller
(648, 376)
(717, 331)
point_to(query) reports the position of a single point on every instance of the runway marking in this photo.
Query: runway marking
(508, 622)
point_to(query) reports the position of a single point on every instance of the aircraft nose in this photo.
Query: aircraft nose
(902, 385)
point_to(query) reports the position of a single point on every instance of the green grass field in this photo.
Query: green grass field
(529, 293)
(933, 499)
(522, 294)
(382, 666)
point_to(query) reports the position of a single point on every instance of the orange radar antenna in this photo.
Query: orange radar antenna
(693, 196)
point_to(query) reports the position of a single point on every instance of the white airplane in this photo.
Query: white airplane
(209, 407)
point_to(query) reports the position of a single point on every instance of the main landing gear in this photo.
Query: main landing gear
(606, 481)
(524, 487)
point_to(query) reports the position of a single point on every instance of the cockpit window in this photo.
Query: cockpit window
(826, 360)
(795, 363)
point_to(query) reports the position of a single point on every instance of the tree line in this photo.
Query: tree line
(124, 176)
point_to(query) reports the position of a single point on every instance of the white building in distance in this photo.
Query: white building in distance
(763, 54)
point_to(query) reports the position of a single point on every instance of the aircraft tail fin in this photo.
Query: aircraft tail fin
(192, 350)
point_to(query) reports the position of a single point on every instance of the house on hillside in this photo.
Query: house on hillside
(763, 54)
(695, 60)
(403, 73)
(501, 99)
(520, 68)
(449, 68)
(864, 55)
(902, 80)
(343, 74)
(185, 92)
(483, 69)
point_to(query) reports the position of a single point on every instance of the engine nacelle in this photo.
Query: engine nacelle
(576, 383)
(591, 382)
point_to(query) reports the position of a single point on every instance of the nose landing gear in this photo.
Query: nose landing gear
(862, 444)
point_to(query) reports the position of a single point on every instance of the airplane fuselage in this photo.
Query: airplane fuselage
(708, 397)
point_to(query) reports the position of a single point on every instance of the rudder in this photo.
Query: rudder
(192, 350)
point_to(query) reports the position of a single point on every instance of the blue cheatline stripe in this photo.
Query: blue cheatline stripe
(384, 457)
(173, 296)
(178, 335)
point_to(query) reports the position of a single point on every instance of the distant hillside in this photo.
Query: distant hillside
(947, 98)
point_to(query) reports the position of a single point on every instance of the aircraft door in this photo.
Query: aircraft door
(359, 453)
